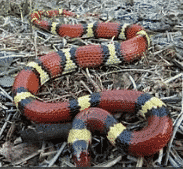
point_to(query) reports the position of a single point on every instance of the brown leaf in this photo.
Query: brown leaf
(19, 153)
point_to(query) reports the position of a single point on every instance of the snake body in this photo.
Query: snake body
(140, 143)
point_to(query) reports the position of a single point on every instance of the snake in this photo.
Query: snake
(96, 110)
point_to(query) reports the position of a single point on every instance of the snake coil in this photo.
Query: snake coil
(144, 142)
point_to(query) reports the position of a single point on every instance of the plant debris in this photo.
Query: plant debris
(158, 73)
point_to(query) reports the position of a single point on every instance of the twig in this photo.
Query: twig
(176, 124)
(84, 84)
(140, 162)
(133, 82)
(159, 160)
(57, 155)
(173, 78)
(110, 163)
(5, 93)
(5, 124)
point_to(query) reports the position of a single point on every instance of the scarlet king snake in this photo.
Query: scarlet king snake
(147, 141)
